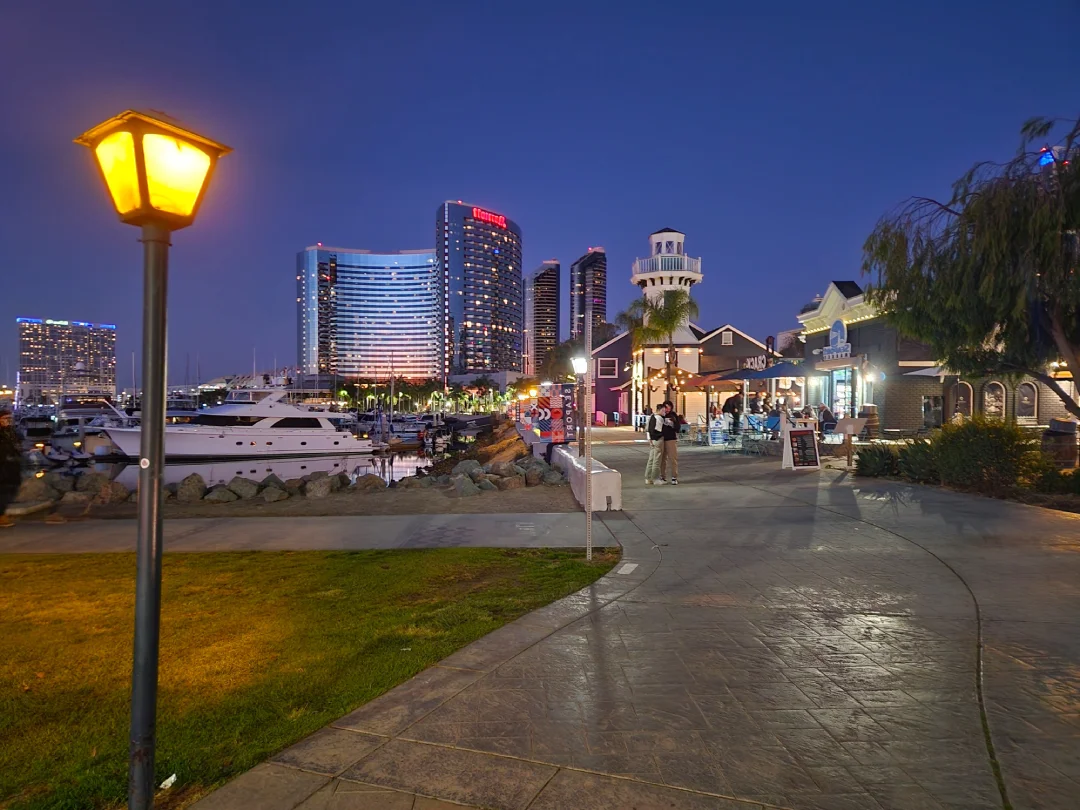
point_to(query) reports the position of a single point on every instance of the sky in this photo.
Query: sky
(773, 137)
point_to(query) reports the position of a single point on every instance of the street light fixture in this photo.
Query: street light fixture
(156, 173)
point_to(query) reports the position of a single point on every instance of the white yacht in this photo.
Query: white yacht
(249, 424)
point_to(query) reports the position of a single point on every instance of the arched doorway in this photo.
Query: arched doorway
(962, 397)
(1027, 403)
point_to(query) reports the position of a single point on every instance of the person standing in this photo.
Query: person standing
(670, 433)
(654, 430)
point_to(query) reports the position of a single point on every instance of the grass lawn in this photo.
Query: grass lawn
(258, 649)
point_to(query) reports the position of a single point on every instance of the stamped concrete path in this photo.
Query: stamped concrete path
(770, 639)
(345, 533)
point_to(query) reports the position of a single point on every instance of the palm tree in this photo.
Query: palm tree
(652, 320)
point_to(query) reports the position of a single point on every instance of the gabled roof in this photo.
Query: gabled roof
(849, 289)
(729, 328)
(615, 339)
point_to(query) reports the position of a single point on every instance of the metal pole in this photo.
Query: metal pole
(588, 419)
(144, 676)
(580, 425)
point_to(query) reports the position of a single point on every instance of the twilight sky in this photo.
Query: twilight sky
(773, 138)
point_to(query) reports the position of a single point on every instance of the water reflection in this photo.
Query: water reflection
(389, 468)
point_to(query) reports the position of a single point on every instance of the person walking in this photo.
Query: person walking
(670, 433)
(654, 430)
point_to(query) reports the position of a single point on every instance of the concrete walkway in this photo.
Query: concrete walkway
(793, 640)
(548, 530)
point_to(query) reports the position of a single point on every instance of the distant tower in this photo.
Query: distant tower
(667, 267)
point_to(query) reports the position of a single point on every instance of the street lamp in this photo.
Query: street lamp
(581, 365)
(156, 173)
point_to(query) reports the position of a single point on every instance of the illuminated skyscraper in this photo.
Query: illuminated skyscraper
(590, 268)
(483, 319)
(359, 313)
(541, 314)
(75, 357)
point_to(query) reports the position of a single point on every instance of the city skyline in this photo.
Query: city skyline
(800, 127)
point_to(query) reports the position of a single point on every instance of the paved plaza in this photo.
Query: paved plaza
(769, 639)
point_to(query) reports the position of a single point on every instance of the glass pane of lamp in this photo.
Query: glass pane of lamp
(116, 156)
(175, 172)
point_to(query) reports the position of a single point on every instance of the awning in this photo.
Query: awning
(843, 362)
(932, 371)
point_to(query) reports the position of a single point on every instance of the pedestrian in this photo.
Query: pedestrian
(670, 432)
(654, 425)
(10, 466)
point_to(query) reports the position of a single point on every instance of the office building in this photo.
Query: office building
(64, 357)
(483, 320)
(360, 313)
(541, 315)
(588, 273)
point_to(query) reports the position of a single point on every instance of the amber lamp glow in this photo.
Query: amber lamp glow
(155, 170)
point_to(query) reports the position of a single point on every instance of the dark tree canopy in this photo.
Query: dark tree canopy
(990, 278)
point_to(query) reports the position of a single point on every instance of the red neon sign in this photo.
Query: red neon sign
(487, 216)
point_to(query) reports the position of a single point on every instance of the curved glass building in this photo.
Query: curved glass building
(362, 314)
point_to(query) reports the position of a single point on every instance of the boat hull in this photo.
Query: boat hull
(194, 442)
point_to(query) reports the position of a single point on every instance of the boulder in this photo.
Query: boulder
(463, 487)
(34, 489)
(294, 486)
(554, 478)
(511, 482)
(463, 467)
(369, 481)
(315, 476)
(344, 479)
(517, 469)
(486, 485)
(534, 476)
(60, 482)
(244, 488)
(75, 498)
(476, 473)
(443, 479)
(410, 482)
(191, 489)
(319, 488)
(272, 481)
(221, 494)
(112, 492)
(501, 468)
(91, 482)
(272, 493)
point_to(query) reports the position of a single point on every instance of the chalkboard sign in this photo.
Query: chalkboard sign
(804, 449)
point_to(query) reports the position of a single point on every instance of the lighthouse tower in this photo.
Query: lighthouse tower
(667, 268)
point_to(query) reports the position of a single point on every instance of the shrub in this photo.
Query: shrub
(876, 461)
(917, 461)
(1049, 479)
(985, 455)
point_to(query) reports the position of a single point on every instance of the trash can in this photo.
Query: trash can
(1059, 443)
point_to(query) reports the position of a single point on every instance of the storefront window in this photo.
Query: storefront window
(994, 400)
(932, 408)
(843, 394)
(1027, 403)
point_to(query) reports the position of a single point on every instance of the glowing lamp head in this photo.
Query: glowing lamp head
(581, 365)
(155, 170)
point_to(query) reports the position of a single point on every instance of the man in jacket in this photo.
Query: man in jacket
(670, 434)
(654, 429)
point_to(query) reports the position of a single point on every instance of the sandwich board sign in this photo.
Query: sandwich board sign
(800, 446)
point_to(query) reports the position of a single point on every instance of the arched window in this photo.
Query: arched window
(961, 400)
(994, 400)
(1027, 403)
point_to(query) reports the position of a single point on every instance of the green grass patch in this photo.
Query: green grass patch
(258, 649)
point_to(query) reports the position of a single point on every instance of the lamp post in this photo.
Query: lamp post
(581, 365)
(156, 173)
